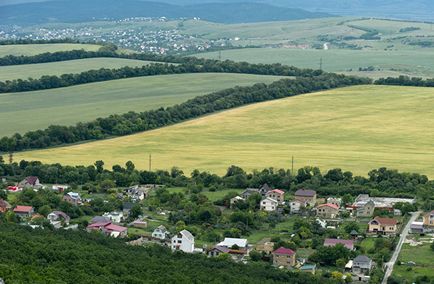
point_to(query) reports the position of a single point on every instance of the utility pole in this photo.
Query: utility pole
(292, 166)
(220, 55)
(320, 64)
(150, 162)
(11, 157)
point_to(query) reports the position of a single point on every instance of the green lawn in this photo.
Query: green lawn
(423, 256)
(33, 49)
(216, 195)
(357, 128)
(36, 71)
(20, 112)
(418, 62)
(282, 230)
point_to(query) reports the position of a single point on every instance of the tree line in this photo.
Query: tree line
(133, 122)
(184, 65)
(97, 178)
(37, 41)
(406, 81)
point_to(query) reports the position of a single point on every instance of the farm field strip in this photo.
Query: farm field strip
(356, 128)
(21, 112)
(33, 49)
(36, 71)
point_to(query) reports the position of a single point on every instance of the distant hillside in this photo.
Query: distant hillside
(85, 10)
(403, 9)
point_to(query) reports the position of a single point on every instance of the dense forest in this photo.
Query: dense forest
(406, 81)
(44, 256)
(132, 122)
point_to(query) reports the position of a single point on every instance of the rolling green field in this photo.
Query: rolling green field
(423, 257)
(36, 71)
(20, 112)
(390, 63)
(357, 128)
(33, 49)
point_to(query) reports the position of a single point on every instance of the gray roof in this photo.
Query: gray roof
(305, 192)
(187, 234)
(362, 258)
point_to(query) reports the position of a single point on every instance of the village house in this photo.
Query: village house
(349, 244)
(328, 211)
(73, 198)
(306, 197)
(235, 200)
(58, 218)
(249, 192)
(382, 203)
(237, 248)
(417, 228)
(284, 257)
(428, 220)
(383, 226)
(264, 189)
(126, 208)
(30, 182)
(4, 206)
(362, 265)
(295, 207)
(183, 241)
(268, 204)
(265, 245)
(24, 211)
(160, 233)
(309, 268)
(99, 219)
(108, 229)
(138, 223)
(115, 217)
(366, 209)
(59, 188)
(276, 194)
(335, 200)
(137, 193)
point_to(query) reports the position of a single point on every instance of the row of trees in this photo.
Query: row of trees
(379, 182)
(406, 81)
(185, 65)
(132, 122)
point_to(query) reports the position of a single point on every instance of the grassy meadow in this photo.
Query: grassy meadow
(65, 106)
(357, 128)
(33, 49)
(36, 71)
(390, 62)
(422, 256)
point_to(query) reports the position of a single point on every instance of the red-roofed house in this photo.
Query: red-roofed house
(283, 257)
(276, 194)
(383, 225)
(109, 229)
(328, 211)
(349, 244)
(24, 211)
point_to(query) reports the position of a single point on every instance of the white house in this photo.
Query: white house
(183, 241)
(160, 233)
(235, 200)
(269, 204)
(295, 207)
(59, 187)
(230, 242)
(115, 217)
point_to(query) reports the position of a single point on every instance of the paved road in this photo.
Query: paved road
(391, 263)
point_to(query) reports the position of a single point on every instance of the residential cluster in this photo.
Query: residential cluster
(329, 213)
